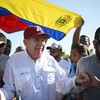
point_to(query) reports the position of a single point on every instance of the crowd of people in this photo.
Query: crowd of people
(36, 73)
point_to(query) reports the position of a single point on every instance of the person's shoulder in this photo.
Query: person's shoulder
(50, 58)
(65, 61)
(87, 58)
(47, 55)
(4, 56)
(18, 55)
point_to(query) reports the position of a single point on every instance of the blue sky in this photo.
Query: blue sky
(88, 9)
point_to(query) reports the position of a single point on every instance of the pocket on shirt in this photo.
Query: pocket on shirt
(50, 77)
(22, 78)
(49, 73)
(50, 84)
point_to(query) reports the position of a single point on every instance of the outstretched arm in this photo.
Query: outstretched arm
(76, 35)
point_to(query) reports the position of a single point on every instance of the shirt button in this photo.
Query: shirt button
(37, 76)
(38, 88)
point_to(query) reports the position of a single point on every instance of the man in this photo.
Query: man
(91, 64)
(8, 48)
(85, 40)
(3, 58)
(33, 74)
(56, 52)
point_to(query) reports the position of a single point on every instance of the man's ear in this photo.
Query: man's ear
(24, 41)
(95, 44)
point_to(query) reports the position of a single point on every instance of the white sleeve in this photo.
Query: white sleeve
(63, 83)
(8, 78)
(2, 96)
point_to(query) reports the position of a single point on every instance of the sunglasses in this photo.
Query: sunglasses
(2, 45)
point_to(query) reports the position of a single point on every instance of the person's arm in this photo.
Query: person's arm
(8, 88)
(94, 80)
(76, 35)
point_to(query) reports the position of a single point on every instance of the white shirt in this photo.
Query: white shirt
(34, 81)
(65, 65)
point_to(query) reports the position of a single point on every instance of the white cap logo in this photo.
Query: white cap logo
(38, 28)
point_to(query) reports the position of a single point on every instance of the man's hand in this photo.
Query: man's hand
(94, 80)
(83, 80)
(82, 23)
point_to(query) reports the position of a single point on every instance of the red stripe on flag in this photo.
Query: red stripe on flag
(10, 23)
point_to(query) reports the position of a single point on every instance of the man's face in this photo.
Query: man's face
(84, 40)
(55, 53)
(2, 45)
(97, 49)
(8, 48)
(35, 46)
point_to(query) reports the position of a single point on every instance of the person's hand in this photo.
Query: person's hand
(83, 80)
(14, 98)
(94, 79)
(82, 23)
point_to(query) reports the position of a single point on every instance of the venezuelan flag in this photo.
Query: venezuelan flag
(54, 20)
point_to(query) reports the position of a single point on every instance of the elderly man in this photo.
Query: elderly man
(33, 74)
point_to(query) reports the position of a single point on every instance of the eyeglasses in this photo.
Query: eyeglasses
(2, 45)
